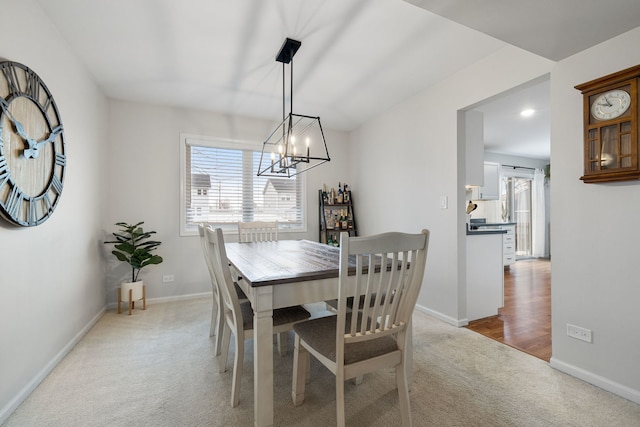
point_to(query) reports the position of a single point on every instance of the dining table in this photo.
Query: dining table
(278, 274)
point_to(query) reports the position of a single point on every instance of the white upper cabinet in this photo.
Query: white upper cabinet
(491, 188)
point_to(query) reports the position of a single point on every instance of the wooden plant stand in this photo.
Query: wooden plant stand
(130, 302)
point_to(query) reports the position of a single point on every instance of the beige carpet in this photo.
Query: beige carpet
(155, 368)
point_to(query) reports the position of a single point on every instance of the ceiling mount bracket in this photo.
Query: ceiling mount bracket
(288, 50)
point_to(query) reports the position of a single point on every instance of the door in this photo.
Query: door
(516, 197)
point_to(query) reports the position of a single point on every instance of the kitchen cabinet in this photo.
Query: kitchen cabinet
(508, 230)
(336, 218)
(485, 274)
(509, 244)
(491, 187)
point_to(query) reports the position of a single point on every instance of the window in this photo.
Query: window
(219, 185)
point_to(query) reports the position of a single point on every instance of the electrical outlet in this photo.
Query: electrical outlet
(578, 333)
(168, 278)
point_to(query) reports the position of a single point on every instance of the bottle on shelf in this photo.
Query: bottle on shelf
(330, 222)
(332, 196)
(347, 196)
(340, 194)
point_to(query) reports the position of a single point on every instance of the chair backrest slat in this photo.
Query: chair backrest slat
(258, 231)
(388, 304)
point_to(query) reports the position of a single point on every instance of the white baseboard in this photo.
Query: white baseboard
(33, 384)
(447, 319)
(604, 383)
(161, 300)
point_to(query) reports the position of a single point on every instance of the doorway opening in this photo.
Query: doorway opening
(521, 146)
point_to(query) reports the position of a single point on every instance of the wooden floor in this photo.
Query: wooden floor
(525, 320)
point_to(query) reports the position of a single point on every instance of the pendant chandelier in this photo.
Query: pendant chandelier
(298, 143)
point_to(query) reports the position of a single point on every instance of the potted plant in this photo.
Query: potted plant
(133, 246)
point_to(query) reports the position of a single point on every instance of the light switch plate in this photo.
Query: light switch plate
(444, 202)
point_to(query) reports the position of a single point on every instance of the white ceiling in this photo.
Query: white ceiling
(358, 57)
(507, 132)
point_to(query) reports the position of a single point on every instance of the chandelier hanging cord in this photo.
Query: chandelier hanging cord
(286, 133)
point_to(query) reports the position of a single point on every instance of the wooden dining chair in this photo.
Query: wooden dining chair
(238, 317)
(258, 231)
(360, 341)
(262, 231)
(216, 308)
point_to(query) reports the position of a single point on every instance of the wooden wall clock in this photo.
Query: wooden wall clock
(611, 127)
(32, 148)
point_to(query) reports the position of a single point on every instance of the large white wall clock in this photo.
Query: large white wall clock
(32, 149)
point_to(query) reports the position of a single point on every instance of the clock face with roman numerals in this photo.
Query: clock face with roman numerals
(32, 150)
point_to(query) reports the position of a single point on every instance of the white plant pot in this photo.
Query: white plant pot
(136, 288)
(130, 292)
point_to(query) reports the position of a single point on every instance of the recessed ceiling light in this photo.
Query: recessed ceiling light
(528, 112)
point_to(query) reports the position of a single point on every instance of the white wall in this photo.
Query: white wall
(595, 237)
(144, 185)
(51, 276)
(527, 162)
(410, 157)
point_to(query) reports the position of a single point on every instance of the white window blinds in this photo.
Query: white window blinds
(220, 186)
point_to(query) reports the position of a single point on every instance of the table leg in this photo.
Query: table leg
(263, 356)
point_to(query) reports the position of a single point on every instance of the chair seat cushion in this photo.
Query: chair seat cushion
(281, 316)
(321, 334)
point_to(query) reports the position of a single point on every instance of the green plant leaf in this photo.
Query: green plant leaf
(120, 256)
(132, 245)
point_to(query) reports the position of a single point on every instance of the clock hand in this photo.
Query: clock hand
(19, 128)
(34, 150)
(21, 132)
(30, 141)
(608, 103)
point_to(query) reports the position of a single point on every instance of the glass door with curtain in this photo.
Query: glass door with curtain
(516, 204)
